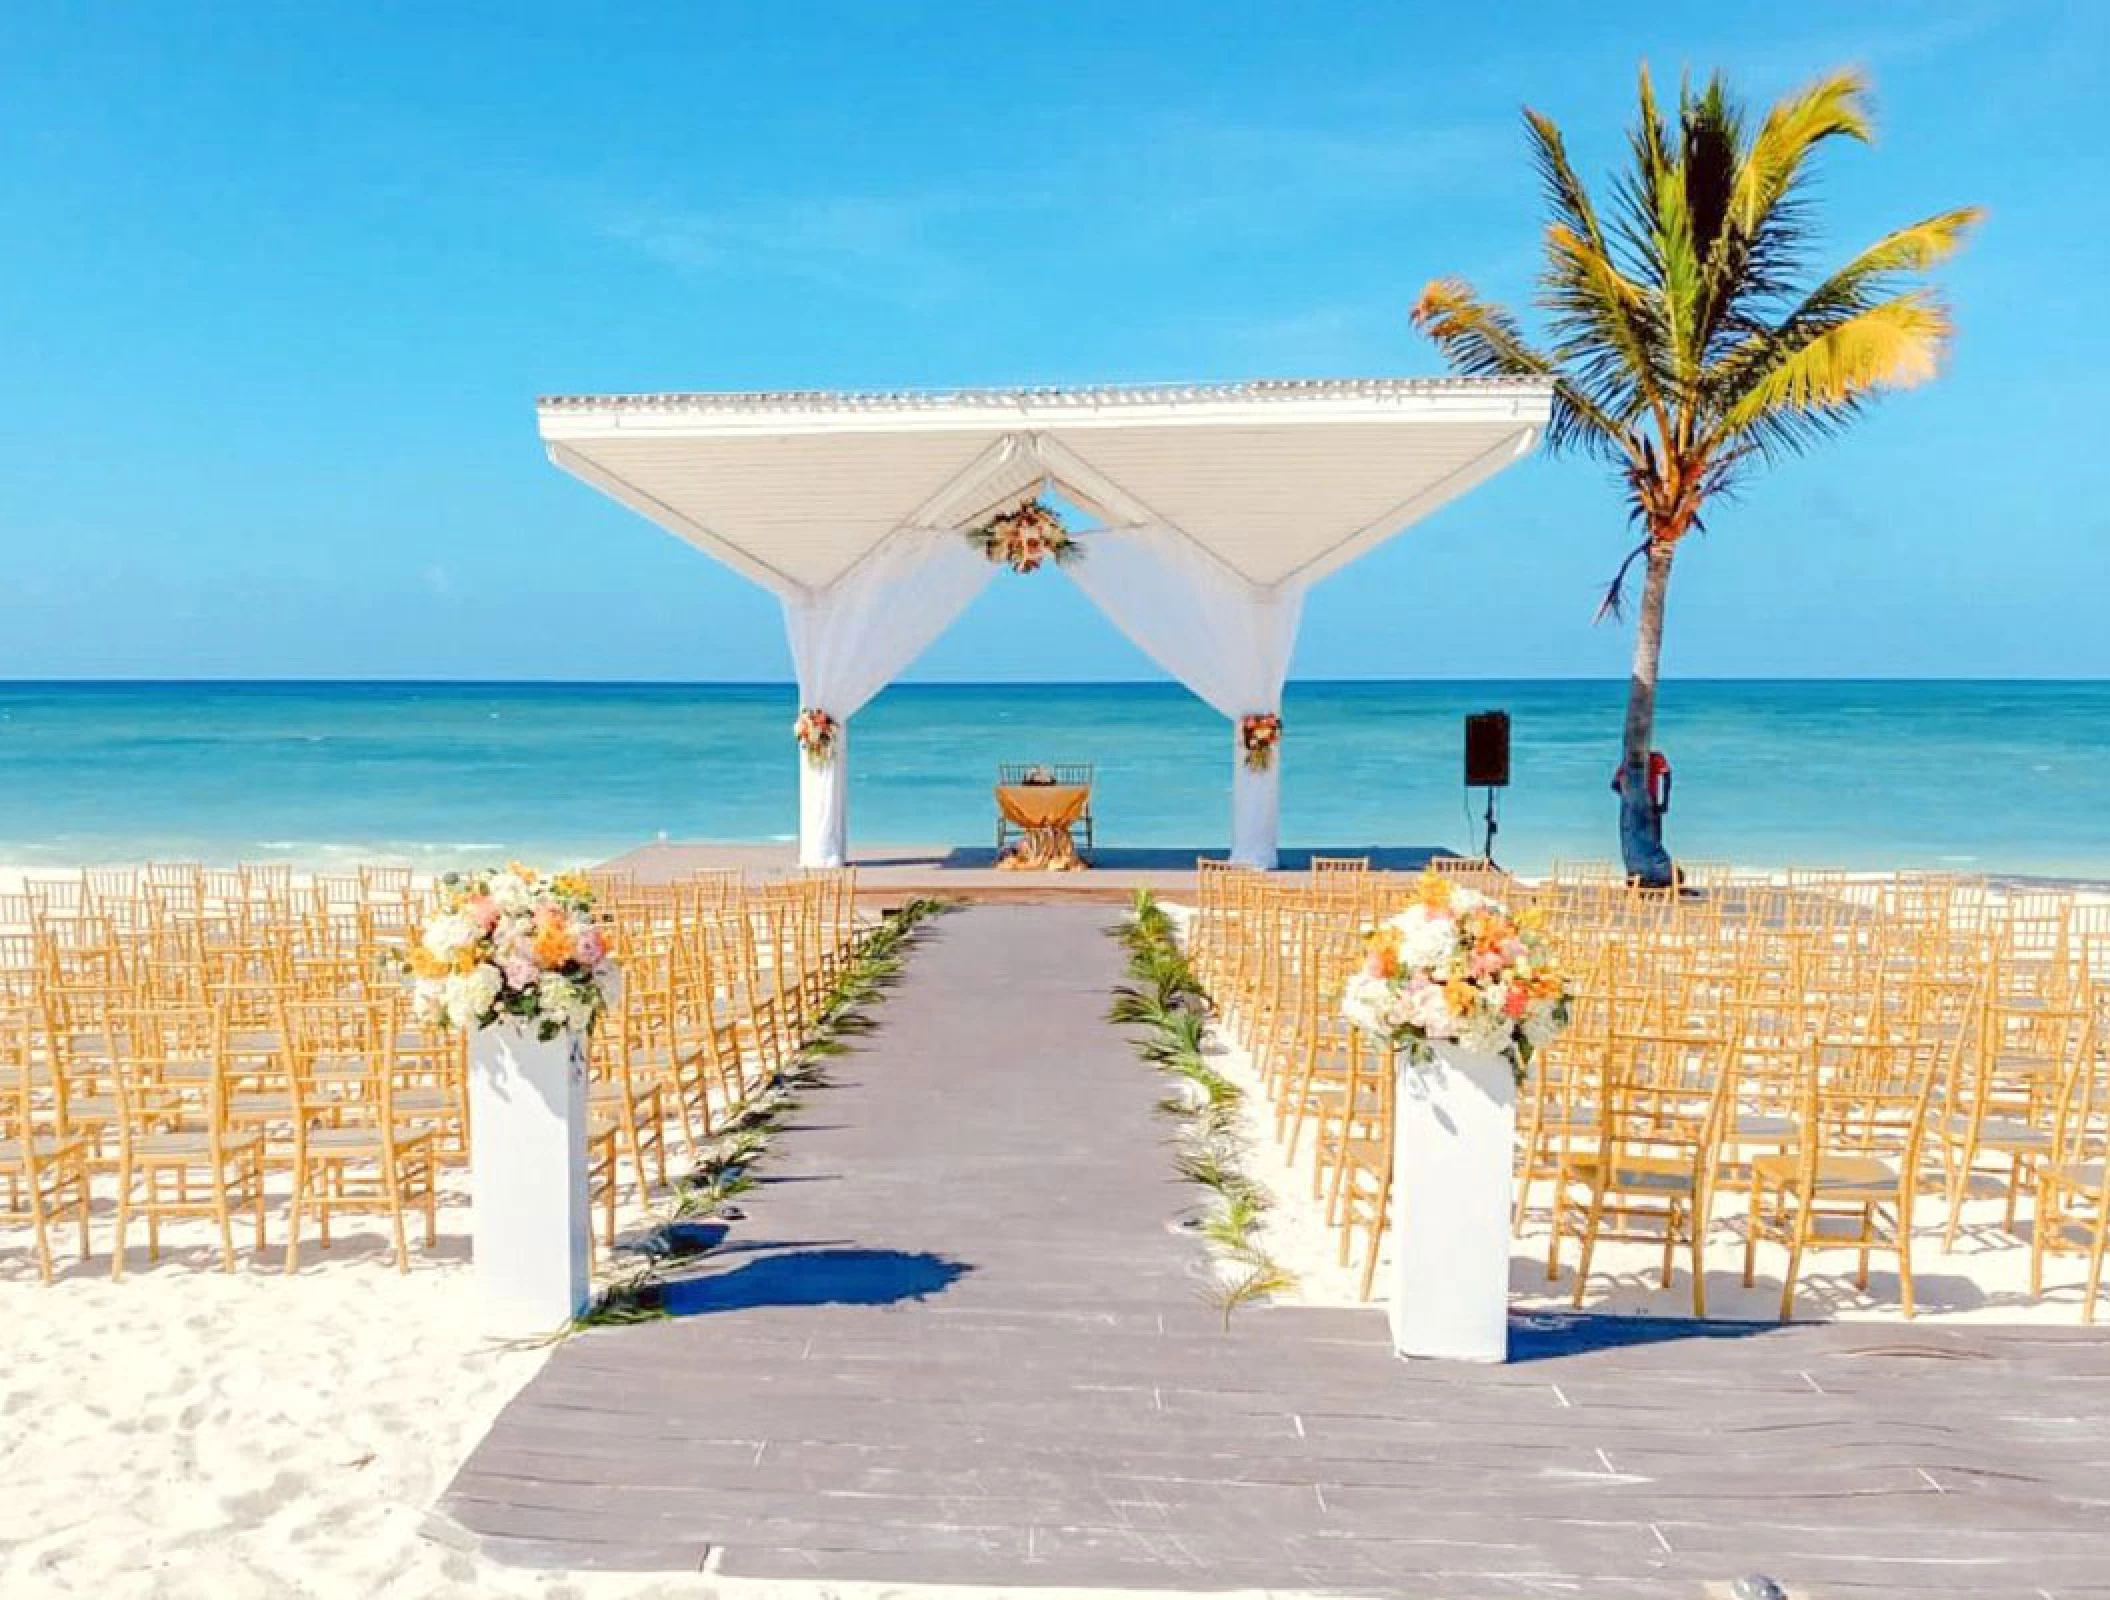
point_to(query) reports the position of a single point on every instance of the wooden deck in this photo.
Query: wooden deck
(953, 1340)
(889, 874)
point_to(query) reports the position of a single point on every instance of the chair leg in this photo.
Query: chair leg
(1758, 1205)
(300, 1186)
(2095, 1268)
(1377, 1229)
(1697, 1222)
(1795, 1243)
(124, 1217)
(392, 1174)
(1554, 1224)
(224, 1215)
(1959, 1186)
(36, 1213)
(1589, 1245)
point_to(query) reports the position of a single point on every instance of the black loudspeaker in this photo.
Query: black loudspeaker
(1487, 750)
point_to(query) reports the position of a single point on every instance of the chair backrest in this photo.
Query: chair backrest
(1331, 866)
(170, 1069)
(1664, 1093)
(1867, 1097)
(17, 1088)
(1063, 772)
(344, 1055)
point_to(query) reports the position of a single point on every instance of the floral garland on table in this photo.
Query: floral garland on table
(1260, 735)
(815, 731)
(512, 945)
(1024, 538)
(1456, 968)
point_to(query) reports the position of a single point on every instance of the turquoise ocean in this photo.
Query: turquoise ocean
(1971, 776)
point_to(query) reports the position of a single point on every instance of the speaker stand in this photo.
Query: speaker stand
(1487, 849)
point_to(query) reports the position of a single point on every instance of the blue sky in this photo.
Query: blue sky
(282, 281)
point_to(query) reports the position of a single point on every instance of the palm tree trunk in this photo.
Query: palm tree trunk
(1640, 823)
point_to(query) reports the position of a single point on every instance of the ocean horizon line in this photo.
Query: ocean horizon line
(231, 682)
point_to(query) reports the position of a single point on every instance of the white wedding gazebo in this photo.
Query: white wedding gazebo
(1218, 506)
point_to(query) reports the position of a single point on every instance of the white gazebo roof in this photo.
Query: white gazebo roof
(1280, 481)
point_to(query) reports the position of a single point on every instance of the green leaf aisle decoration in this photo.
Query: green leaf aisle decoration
(1167, 1000)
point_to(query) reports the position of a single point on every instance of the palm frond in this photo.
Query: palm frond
(1893, 344)
(1565, 192)
(1833, 107)
(1260, 1278)
(1482, 340)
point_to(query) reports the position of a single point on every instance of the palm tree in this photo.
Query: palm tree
(1689, 344)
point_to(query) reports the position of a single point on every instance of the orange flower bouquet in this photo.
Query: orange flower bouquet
(512, 946)
(1024, 538)
(1456, 968)
(1259, 735)
(815, 731)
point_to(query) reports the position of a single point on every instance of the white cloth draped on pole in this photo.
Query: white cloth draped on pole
(1227, 639)
(849, 640)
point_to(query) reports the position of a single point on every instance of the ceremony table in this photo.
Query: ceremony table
(1044, 813)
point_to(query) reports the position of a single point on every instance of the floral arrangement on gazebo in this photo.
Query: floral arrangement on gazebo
(1025, 537)
(514, 946)
(815, 731)
(1259, 735)
(1456, 969)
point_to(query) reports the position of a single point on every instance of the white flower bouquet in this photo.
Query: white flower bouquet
(1456, 968)
(513, 946)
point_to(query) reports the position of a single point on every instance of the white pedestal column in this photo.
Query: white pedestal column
(527, 1114)
(1453, 1146)
(824, 804)
(1256, 808)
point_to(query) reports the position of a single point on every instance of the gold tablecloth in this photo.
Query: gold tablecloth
(1042, 805)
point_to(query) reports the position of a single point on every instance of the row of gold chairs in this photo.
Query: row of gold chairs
(255, 1051)
(1847, 1056)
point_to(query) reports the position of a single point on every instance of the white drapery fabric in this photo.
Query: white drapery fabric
(849, 640)
(1225, 638)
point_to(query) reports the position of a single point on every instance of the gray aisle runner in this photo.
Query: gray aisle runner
(953, 1341)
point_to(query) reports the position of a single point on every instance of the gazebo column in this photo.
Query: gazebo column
(824, 804)
(1256, 807)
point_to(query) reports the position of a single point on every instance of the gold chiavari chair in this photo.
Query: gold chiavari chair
(1851, 1174)
(2002, 1095)
(1558, 1117)
(43, 1169)
(632, 1081)
(353, 1150)
(1661, 1130)
(177, 1156)
(2073, 1177)
(1359, 1158)
(82, 1051)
